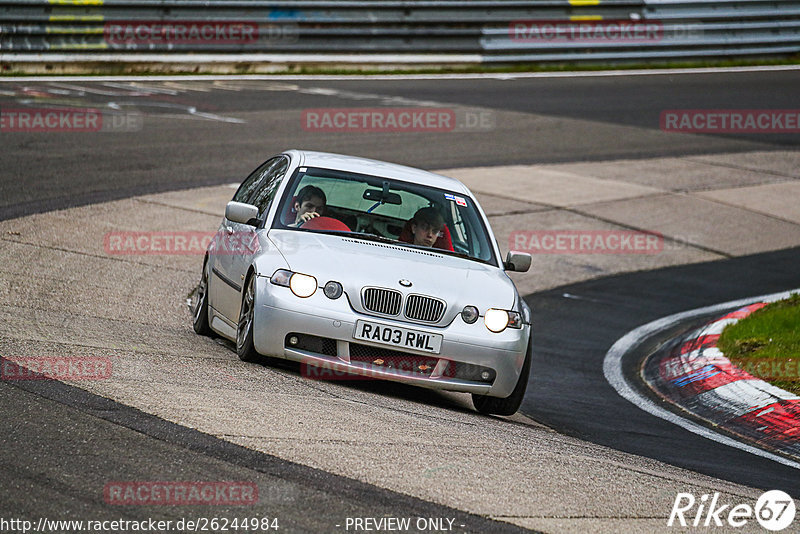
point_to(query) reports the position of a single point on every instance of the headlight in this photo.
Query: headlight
(496, 320)
(469, 314)
(301, 285)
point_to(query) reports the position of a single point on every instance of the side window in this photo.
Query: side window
(252, 182)
(268, 185)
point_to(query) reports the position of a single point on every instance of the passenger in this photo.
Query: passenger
(308, 203)
(427, 226)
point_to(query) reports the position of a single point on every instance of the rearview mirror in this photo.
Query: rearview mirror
(241, 213)
(517, 261)
(385, 198)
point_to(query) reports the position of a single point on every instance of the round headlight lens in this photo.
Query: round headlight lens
(496, 320)
(333, 290)
(469, 314)
(302, 285)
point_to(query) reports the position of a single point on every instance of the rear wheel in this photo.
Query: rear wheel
(200, 310)
(507, 405)
(244, 332)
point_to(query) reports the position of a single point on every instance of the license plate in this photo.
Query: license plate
(404, 338)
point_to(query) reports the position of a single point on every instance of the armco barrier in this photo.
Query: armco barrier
(499, 31)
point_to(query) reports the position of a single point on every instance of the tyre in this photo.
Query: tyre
(508, 405)
(200, 311)
(244, 331)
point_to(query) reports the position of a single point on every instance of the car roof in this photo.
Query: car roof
(341, 162)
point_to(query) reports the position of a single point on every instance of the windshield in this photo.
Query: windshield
(371, 207)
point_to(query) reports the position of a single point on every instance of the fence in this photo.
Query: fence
(425, 31)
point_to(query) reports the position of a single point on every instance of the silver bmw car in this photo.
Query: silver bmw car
(359, 268)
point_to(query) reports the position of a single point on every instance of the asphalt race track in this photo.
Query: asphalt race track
(573, 120)
(192, 138)
(570, 393)
(52, 426)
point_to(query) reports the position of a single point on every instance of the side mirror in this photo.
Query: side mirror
(517, 261)
(241, 213)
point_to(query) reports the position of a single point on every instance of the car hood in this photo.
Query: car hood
(357, 263)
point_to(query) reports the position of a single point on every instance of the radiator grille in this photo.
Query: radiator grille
(393, 359)
(422, 308)
(384, 301)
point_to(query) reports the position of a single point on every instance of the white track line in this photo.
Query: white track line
(465, 76)
(612, 369)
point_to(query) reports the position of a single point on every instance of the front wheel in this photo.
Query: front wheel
(244, 332)
(508, 405)
(200, 310)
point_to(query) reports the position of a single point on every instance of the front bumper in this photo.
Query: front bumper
(279, 313)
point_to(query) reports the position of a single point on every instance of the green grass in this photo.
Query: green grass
(8, 70)
(766, 344)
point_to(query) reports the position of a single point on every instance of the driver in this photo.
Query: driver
(308, 203)
(426, 226)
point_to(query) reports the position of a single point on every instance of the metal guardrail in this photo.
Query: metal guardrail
(498, 31)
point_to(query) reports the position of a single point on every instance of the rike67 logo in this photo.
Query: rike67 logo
(774, 511)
